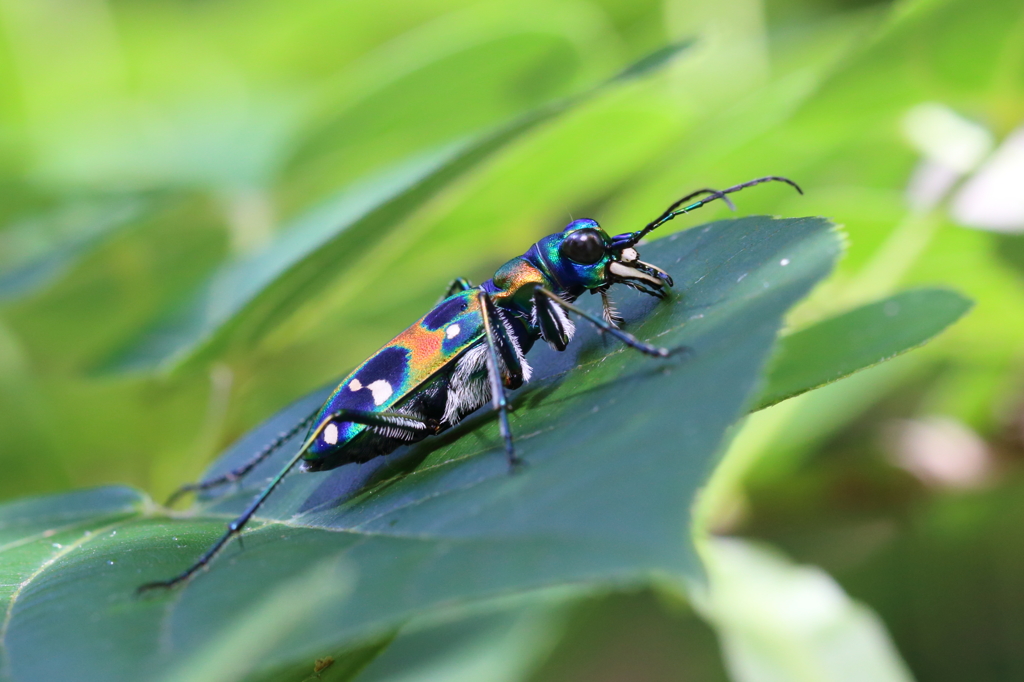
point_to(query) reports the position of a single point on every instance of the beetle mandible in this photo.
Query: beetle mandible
(468, 351)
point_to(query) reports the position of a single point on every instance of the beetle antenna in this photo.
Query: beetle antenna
(716, 194)
(680, 207)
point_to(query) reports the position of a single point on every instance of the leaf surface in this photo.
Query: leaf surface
(617, 445)
(858, 339)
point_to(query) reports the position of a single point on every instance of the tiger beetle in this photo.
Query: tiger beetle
(468, 350)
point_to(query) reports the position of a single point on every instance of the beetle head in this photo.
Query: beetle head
(583, 256)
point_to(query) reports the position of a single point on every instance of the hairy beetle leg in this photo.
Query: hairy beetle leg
(498, 398)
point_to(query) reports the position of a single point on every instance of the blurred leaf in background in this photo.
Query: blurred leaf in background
(151, 150)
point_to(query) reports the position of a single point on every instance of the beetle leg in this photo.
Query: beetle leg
(608, 310)
(625, 337)
(506, 349)
(383, 418)
(235, 474)
(555, 326)
(395, 419)
(455, 286)
(498, 398)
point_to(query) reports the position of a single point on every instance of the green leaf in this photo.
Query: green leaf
(778, 621)
(244, 297)
(233, 654)
(497, 642)
(858, 339)
(652, 62)
(35, 534)
(397, 101)
(37, 251)
(616, 445)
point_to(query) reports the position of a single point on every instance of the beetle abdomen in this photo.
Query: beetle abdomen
(390, 377)
(427, 402)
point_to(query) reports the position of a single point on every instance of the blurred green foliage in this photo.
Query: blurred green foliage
(146, 148)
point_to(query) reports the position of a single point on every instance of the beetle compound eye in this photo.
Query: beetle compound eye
(585, 247)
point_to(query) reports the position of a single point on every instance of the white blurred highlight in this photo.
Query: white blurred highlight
(945, 137)
(994, 198)
(941, 452)
(951, 145)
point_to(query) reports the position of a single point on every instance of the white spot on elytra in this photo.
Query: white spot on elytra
(452, 331)
(331, 433)
(784, 262)
(381, 391)
(355, 385)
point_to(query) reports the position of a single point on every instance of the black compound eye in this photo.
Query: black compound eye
(585, 247)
